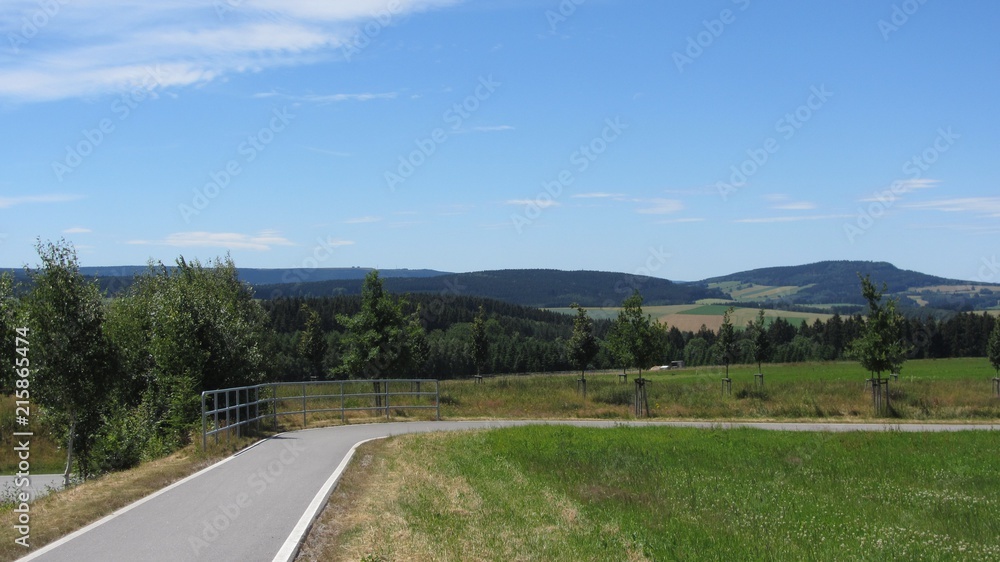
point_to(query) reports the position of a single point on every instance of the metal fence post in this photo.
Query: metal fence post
(204, 424)
(386, 390)
(343, 412)
(437, 398)
(274, 404)
(303, 405)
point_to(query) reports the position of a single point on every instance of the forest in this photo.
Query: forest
(118, 378)
(528, 340)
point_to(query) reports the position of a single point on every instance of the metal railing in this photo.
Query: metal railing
(233, 409)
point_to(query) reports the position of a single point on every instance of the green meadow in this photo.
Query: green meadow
(562, 493)
(951, 389)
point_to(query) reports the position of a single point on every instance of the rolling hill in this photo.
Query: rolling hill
(542, 288)
(821, 284)
(836, 282)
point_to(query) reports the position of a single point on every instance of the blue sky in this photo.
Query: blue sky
(679, 139)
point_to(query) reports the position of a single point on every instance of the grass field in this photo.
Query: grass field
(560, 493)
(954, 389)
(690, 317)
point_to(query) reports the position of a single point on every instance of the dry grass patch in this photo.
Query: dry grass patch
(403, 497)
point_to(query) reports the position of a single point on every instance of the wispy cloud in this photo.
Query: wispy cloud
(77, 230)
(540, 203)
(681, 221)
(262, 241)
(329, 98)
(799, 218)
(901, 187)
(363, 220)
(7, 202)
(796, 206)
(599, 195)
(184, 42)
(336, 153)
(659, 206)
(985, 206)
(493, 129)
(782, 202)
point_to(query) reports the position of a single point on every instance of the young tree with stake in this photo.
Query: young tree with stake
(582, 346)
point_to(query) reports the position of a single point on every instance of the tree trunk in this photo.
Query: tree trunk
(69, 449)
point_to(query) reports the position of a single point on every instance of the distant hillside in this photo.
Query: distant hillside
(544, 288)
(114, 279)
(832, 282)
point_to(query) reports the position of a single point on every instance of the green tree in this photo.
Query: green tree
(993, 347)
(635, 336)
(381, 340)
(73, 360)
(8, 324)
(617, 346)
(758, 341)
(582, 346)
(184, 330)
(312, 342)
(479, 344)
(880, 347)
(726, 346)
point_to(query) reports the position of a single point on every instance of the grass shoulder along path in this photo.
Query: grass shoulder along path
(647, 493)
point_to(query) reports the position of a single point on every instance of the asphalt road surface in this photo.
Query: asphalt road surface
(258, 504)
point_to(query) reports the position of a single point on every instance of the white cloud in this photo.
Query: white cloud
(493, 129)
(986, 206)
(596, 195)
(363, 220)
(6, 202)
(97, 47)
(769, 220)
(796, 206)
(77, 230)
(681, 221)
(262, 241)
(901, 187)
(660, 206)
(540, 203)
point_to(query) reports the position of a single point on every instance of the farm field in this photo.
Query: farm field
(561, 493)
(691, 317)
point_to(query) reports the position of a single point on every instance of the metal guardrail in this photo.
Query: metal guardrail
(231, 409)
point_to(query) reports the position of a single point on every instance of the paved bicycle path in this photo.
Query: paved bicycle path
(258, 504)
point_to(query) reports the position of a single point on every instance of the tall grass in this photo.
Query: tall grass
(562, 493)
(954, 389)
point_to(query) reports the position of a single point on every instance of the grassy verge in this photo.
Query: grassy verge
(560, 493)
(954, 389)
(63, 512)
